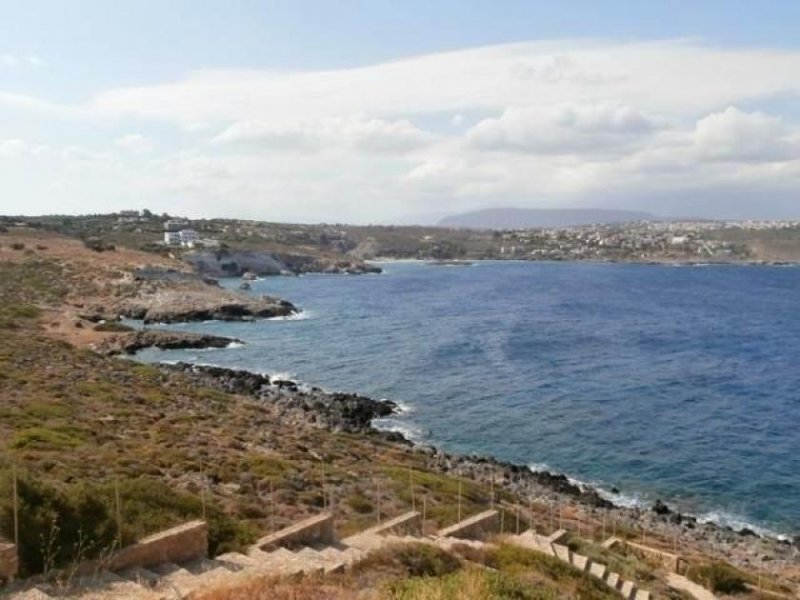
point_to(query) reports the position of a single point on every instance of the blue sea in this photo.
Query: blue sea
(678, 383)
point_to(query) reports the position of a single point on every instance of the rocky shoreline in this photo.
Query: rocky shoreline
(353, 413)
(133, 341)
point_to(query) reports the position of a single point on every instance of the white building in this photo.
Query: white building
(188, 237)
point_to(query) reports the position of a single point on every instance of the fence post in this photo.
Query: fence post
(424, 512)
(15, 502)
(118, 511)
(271, 506)
(459, 500)
(411, 486)
(378, 500)
(517, 520)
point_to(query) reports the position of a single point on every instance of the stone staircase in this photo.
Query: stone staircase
(549, 545)
(308, 547)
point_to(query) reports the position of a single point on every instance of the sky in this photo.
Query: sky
(399, 112)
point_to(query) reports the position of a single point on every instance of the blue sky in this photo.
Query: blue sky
(318, 110)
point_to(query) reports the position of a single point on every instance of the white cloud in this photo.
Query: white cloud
(135, 143)
(354, 133)
(733, 134)
(15, 60)
(541, 123)
(562, 129)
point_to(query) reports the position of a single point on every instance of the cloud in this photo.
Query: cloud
(735, 135)
(15, 60)
(368, 135)
(562, 129)
(135, 143)
(660, 77)
(604, 123)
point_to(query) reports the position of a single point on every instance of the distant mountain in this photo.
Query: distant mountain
(529, 218)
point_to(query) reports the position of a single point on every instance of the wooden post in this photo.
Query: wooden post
(491, 503)
(324, 499)
(118, 511)
(531, 522)
(424, 512)
(271, 506)
(411, 487)
(378, 503)
(203, 497)
(15, 503)
(552, 516)
(604, 527)
(502, 521)
(459, 500)
(560, 517)
(517, 520)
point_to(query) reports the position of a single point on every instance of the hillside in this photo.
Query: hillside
(535, 218)
(250, 455)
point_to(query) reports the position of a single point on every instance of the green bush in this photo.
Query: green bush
(62, 524)
(56, 527)
(719, 577)
(112, 326)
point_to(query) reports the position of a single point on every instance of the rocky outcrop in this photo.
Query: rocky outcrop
(335, 411)
(130, 343)
(199, 302)
(236, 263)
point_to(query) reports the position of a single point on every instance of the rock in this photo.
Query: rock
(238, 263)
(244, 286)
(173, 303)
(660, 508)
(747, 532)
(249, 276)
(130, 343)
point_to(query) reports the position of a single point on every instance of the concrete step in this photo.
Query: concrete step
(557, 535)
(366, 542)
(175, 580)
(627, 590)
(236, 559)
(579, 561)
(144, 577)
(642, 595)
(561, 552)
(612, 580)
(105, 585)
(33, 593)
(598, 570)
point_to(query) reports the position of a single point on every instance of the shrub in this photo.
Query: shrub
(112, 326)
(719, 577)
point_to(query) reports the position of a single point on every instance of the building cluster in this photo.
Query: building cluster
(178, 233)
(632, 241)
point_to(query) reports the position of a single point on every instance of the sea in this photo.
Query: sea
(679, 383)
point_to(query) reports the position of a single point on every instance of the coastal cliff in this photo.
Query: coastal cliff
(235, 263)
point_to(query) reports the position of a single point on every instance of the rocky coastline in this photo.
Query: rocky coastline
(353, 413)
(133, 341)
(236, 263)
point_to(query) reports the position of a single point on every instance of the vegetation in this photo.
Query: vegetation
(719, 577)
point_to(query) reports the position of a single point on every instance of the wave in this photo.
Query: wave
(303, 315)
(233, 345)
(410, 432)
(637, 500)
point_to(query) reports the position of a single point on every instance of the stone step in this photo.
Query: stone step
(598, 570)
(642, 595)
(579, 561)
(33, 593)
(236, 559)
(366, 542)
(105, 585)
(174, 579)
(140, 576)
(557, 535)
(612, 579)
(627, 590)
(561, 552)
